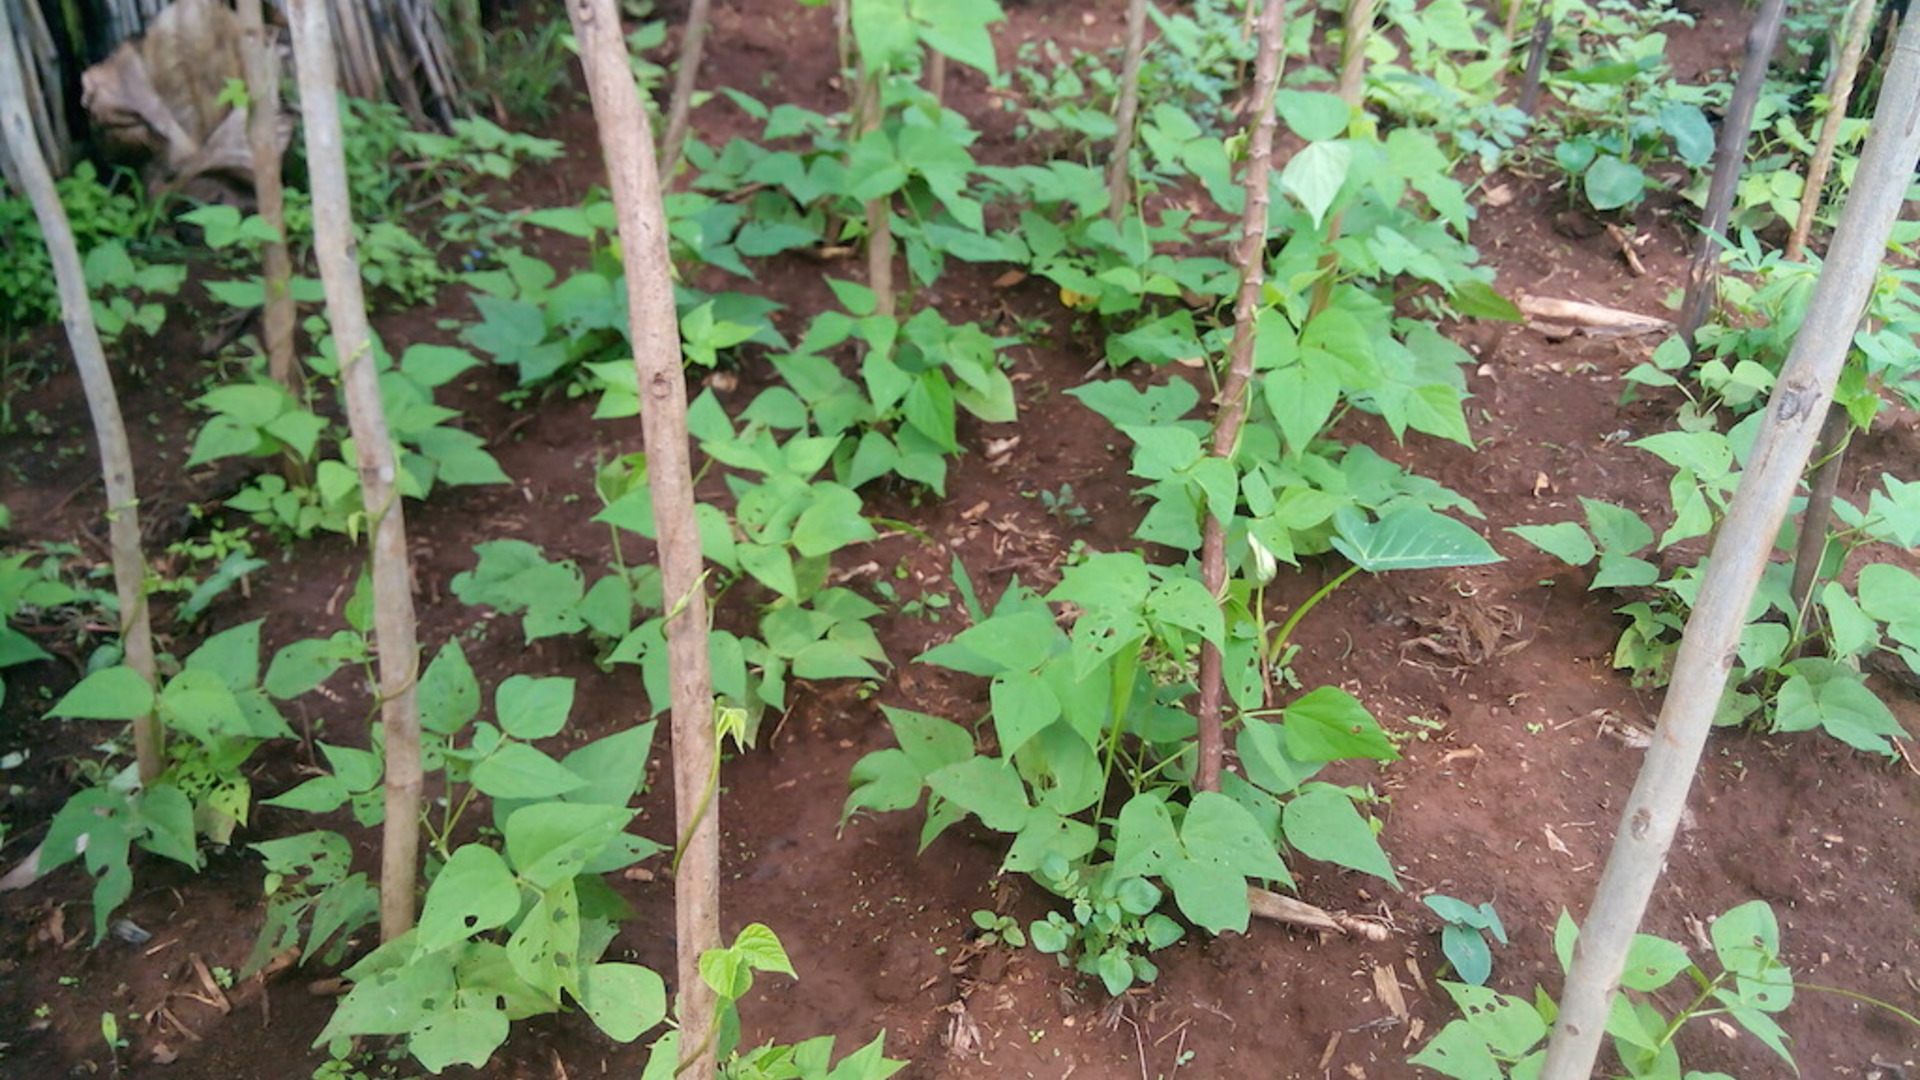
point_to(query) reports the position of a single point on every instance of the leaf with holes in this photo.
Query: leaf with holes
(473, 893)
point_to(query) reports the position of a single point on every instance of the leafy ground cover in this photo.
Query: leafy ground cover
(1513, 735)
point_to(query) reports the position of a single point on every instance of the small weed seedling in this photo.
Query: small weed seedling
(1463, 938)
(996, 928)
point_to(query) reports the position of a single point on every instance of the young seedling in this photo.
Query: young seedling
(1463, 938)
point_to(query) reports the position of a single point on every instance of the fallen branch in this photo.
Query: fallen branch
(1591, 316)
(1285, 909)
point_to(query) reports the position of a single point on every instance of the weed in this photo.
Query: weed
(1463, 937)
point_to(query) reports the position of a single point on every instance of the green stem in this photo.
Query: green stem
(1862, 998)
(1293, 620)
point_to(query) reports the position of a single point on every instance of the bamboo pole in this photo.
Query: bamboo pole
(685, 76)
(393, 614)
(1233, 395)
(1127, 115)
(1740, 552)
(626, 141)
(1703, 275)
(96, 379)
(263, 138)
(1846, 70)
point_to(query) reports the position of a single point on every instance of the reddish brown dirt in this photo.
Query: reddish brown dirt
(1509, 790)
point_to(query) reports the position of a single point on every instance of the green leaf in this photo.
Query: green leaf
(883, 31)
(549, 842)
(1564, 540)
(199, 704)
(1652, 962)
(1144, 838)
(1315, 175)
(449, 694)
(1219, 830)
(1409, 537)
(1746, 939)
(1322, 823)
(457, 1036)
(1014, 642)
(518, 771)
(760, 948)
(532, 708)
(116, 693)
(305, 664)
(623, 1000)
(929, 741)
(1611, 183)
(988, 788)
(1302, 398)
(1023, 704)
(1329, 724)
(958, 28)
(883, 781)
(474, 893)
(1467, 951)
(1476, 299)
(1831, 696)
(320, 795)
(1693, 137)
(831, 522)
(545, 948)
(612, 768)
(1510, 1026)
(1315, 116)
(1460, 1052)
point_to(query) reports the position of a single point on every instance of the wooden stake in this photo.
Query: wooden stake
(1846, 70)
(626, 141)
(263, 138)
(1703, 275)
(686, 74)
(22, 145)
(1740, 552)
(394, 628)
(1252, 256)
(1127, 115)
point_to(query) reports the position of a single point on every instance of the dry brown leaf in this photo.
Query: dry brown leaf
(1553, 841)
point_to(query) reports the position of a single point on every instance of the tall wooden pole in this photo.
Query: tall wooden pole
(22, 145)
(626, 142)
(1740, 552)
(1703, 276)
(1233, 394)
(393, 616)
(263, 139)
(1127, 115)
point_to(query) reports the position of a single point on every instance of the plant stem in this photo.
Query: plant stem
(1293, 620)
(1233, 395)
